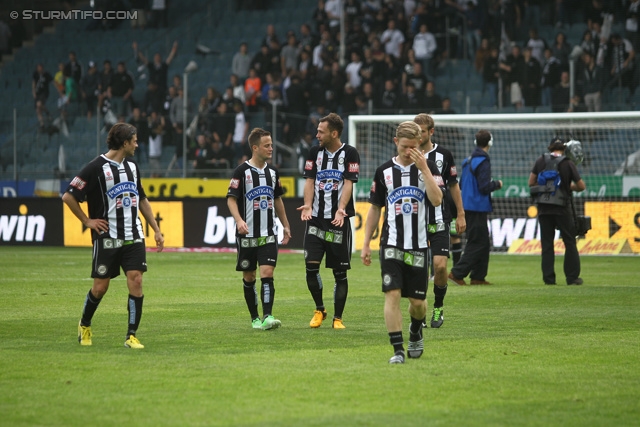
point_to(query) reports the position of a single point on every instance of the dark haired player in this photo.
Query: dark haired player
(331, 170)
(111, 185)
(254, 198)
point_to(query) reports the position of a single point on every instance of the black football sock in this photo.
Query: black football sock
(415, 329)
(340, 291)
(439, 292)
(314, 283)
(90, 306)
(134, 306)
(251, 298)
(456, 252)
(267, 293)
(396, 340)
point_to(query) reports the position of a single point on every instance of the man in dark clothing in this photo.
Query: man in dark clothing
(476, 186)
(531, 76)
(555, 211)
(158, 69)
(121, 90)
(73, 68)
(89, 84)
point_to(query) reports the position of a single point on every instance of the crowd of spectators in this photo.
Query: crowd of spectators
(395, 51)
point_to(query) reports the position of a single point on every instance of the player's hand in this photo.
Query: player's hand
(99, 225)
(159, 241)
(338, 219)
(242, 227)
(365, 255)
(418, 158)
(286, 235)
(305, 212)
(461, 224)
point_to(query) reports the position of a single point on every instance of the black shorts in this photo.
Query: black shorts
(405, 270)
(439, 241)
(251, 253)
(322, 237)
(111, 254)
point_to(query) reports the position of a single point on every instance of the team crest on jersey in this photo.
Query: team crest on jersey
(453, 171)
(101, 270)
(439, 164)
(78, 183)
(244, 263)
(234, 183)
(354, 167)
(386, 279)
(308, 165)
(341, 161)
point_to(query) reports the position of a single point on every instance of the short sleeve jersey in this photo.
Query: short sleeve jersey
(447, 170)
(401, 190)
(255, 191)
(113, 192)
(329, 170)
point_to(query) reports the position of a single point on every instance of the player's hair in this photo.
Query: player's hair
(334, 122)
(556, 144)
(483, 138)
(119, 133)
(408, 130)
(424, 119)
(256, 135)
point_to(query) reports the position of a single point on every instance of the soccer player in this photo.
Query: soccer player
(254, 198)
(407, 186)
(330, 171)
(441, 217)
(111, 185)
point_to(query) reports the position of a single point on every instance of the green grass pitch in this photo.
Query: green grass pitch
(517, 353)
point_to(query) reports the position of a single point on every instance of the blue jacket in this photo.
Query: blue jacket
(476, 184)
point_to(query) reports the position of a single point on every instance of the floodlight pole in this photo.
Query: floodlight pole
(185, 77)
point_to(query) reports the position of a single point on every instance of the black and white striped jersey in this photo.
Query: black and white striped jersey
(329, 170)
(255, 191)
(447, 169)
(401, 191)
(113, 192)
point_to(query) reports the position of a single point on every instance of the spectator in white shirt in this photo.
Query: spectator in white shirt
(424, 47)
(392, 39)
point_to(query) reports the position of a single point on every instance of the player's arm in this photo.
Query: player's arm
(232, 204)
(341, 213)
(305, 210)
(278, 204)
(147, 213)
(373, 218)
(533, 179)
(456, 196)
(98, 225)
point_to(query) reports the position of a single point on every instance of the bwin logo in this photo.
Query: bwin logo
(23, 227)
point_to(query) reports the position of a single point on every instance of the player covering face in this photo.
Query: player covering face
(406, 186)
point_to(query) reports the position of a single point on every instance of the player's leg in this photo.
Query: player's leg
(267, 258)
(339, 260)
(104, 266)
(246, 261)
(439, 243)
(313, 254)
(392, 281)
(480, 267)
(415, 289)
(473, 248)
(134, 264)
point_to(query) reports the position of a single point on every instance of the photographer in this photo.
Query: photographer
(553, 177)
